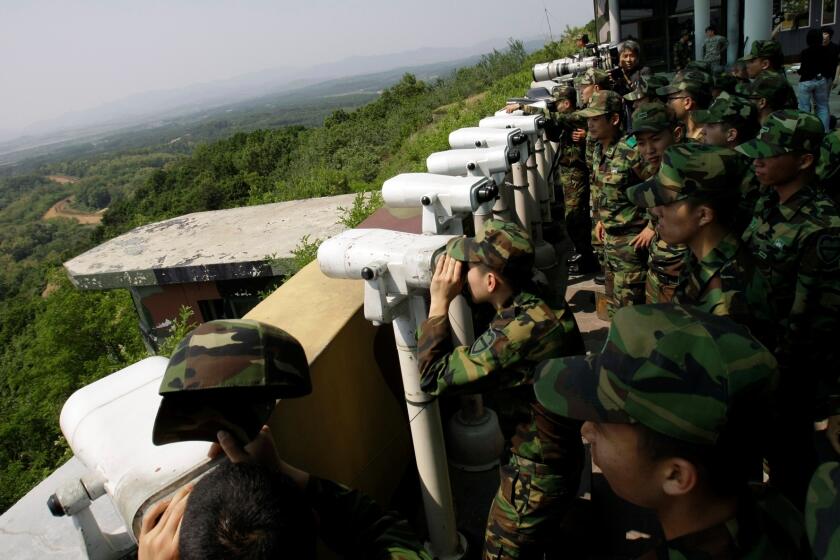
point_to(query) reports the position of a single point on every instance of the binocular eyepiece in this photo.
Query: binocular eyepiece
(487, 193)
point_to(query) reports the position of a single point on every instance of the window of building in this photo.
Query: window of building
(828, 12)
(795, 13)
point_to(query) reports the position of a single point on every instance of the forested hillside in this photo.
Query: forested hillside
(55, 339)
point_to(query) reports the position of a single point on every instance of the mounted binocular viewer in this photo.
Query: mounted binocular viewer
(492, 163)
(604, 56)
(531, 125)
(392, 263)
(443, 199)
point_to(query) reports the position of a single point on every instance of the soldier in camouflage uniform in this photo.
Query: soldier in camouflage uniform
(666, 405)
(217, 370)
(695, 205)
(574, 178)
(621, 226)
(655, 129)
(541, 478)
(681, 52)
(765, 57)
(646, 90)
(770, 92)
(689, 91)
(723, 82)
(822, 512)
(795, 235)
(732, 120)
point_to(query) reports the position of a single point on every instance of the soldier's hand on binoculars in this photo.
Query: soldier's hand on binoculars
(511, 107)
(446, 285)
(161, 527)
(578, 135)
(599, 231)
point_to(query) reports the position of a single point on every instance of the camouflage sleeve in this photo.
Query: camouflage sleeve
(489, 362)
(354, 525)
(809, 332)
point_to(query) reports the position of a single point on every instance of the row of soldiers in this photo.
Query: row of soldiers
(708, 196)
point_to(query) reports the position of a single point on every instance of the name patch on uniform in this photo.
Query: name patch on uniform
(483, 343)
(828, 248)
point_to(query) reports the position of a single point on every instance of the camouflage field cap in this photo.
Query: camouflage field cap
(692, 81)
(829, 162)
(647, 87)
(822, 511)
(566, 90)
(504, 245)
(732, 109)
(763, 49)
(701, 65)
(725, 82)
(690, 170)
(671, 368)
(228, 374)
(650, 117)
(594, 76)
(784, 132)
(603, 102)
(775, 89)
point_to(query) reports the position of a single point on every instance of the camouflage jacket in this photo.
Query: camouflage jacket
(572, 154)
(751, 191)
(766, 527)
(726, 282)
(519, 336)
(614, 170)
(714, 49)
(352, 524)
(682, 55)
(797, 247)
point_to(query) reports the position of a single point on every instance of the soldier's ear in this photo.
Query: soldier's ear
(615, 119)
(732, 134)
(680, 476)
(678, 133)
(806, 161)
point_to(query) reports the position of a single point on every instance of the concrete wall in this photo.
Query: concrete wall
(793, 41)
(353, 427)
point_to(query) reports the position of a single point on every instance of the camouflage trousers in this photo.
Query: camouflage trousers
(666, 262)
(576, 201)
(626, 269)
(531, 502)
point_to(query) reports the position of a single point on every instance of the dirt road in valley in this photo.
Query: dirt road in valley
(61, 209)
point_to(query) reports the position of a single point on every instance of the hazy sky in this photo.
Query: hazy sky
(60, 56)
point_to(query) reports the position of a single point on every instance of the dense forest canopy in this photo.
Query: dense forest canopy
(55, 339)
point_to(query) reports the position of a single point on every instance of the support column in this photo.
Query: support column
(733, 25)
(701, 22)
(758, 21)
(614, 16)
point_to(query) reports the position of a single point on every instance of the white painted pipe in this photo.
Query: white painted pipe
(523, 200)
(427, 435)
(615, 21)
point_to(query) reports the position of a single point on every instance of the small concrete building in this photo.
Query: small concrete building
(217, 263)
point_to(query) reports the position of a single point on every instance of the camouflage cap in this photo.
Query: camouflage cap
(603, 102)
(674, 369)
(822, 511)
(763, 49)
(701, 65)
(228, 374)
(725, 82)
(690, 170)
(726, 108)
(784, 132)
(565, 90)
(651, 117)
(647, 87)
(829, 162)
(504, 245)
(692, 81)
(594, 76)
(775, 89)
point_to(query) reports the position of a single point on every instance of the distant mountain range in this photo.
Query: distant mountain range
(147, 107)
